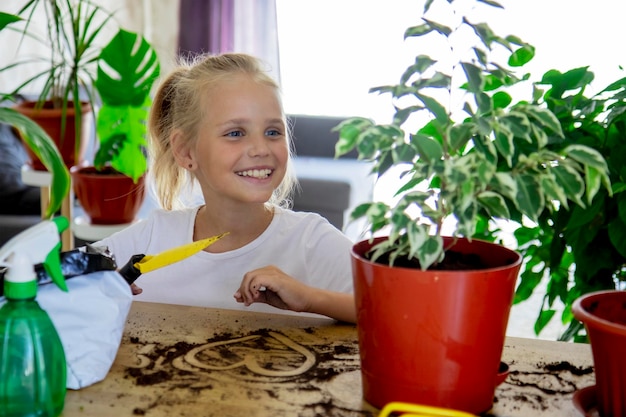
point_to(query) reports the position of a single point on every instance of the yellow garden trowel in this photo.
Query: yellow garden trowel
(140, 264)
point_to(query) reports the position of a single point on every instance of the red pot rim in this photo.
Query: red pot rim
(579, 309)
(28, 106)
(91, 171)
(515, 256)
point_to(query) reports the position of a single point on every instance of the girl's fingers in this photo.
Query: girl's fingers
(135, 289)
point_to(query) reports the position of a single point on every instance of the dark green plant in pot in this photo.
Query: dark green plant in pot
(127, 68)
(580, 249)
(473, 150)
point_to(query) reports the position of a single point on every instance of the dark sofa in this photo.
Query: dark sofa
(328, 185)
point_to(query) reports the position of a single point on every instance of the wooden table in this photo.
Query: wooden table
(189, 361)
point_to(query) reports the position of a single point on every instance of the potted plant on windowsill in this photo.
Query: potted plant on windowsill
(429, 332)
(112, 190)
(71, 43)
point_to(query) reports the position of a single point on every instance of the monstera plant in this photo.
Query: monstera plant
(112, 190)
(127, 69)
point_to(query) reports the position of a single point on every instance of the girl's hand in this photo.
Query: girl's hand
(135, 289)
(272, 286)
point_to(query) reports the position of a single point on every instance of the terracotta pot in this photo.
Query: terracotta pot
(50, 120)
(107, 196)
(604, 315)
(434, 337)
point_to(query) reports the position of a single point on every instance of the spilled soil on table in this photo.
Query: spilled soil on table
(287, 374)
(541, 385)
(260, 364)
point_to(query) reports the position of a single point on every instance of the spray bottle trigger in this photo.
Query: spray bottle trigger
(52, 265)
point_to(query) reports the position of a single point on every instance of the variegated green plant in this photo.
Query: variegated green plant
(475, 153)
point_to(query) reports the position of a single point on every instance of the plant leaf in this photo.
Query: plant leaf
(544, 318)
(530, 200)
(522, 56)
(428, 148)
(417, 31)
(475, 78)
(349, 131)
(504, 143)
(435, 108)
(593, 179)
(430, 251)
(122, 133)
(459, 135)
(571, 182)
(501, 100)
(544, 116)
(422, 63)
(127, 68)
(494, 204)
(591, 157)
(553, 190)
(7, 18)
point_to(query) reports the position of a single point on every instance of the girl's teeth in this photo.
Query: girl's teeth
(256, 173)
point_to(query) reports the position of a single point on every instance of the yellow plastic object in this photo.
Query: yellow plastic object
(170, 256)
(416, 410)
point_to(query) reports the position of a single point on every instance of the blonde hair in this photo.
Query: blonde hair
(178, 106)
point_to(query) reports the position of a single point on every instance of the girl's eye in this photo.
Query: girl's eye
(273, 132)
(235, 134)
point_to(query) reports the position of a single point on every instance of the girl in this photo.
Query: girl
(219, 121)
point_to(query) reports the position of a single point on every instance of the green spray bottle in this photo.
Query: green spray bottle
(32, 360)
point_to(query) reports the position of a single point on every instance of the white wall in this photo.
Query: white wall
(157, 20)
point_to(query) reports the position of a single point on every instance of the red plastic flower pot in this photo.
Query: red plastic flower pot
(434, 337)
(604, 315)
(107, 196)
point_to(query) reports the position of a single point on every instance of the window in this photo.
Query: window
(333, 52)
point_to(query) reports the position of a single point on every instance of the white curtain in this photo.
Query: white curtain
(256, 31)
(157, 20)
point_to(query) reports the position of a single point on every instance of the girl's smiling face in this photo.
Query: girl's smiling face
(241, 151)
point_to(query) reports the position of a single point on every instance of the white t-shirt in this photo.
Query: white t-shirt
(303, 245)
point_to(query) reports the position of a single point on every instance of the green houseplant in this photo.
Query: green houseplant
(125, 92)
(112, 190)
(471, 155)
(114, 75)
(589, 240)
(70, 45)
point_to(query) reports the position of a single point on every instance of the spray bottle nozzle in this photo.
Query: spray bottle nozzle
(40, 244)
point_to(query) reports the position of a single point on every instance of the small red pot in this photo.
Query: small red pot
(107, 196)
(434, 337)
(604, 315)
